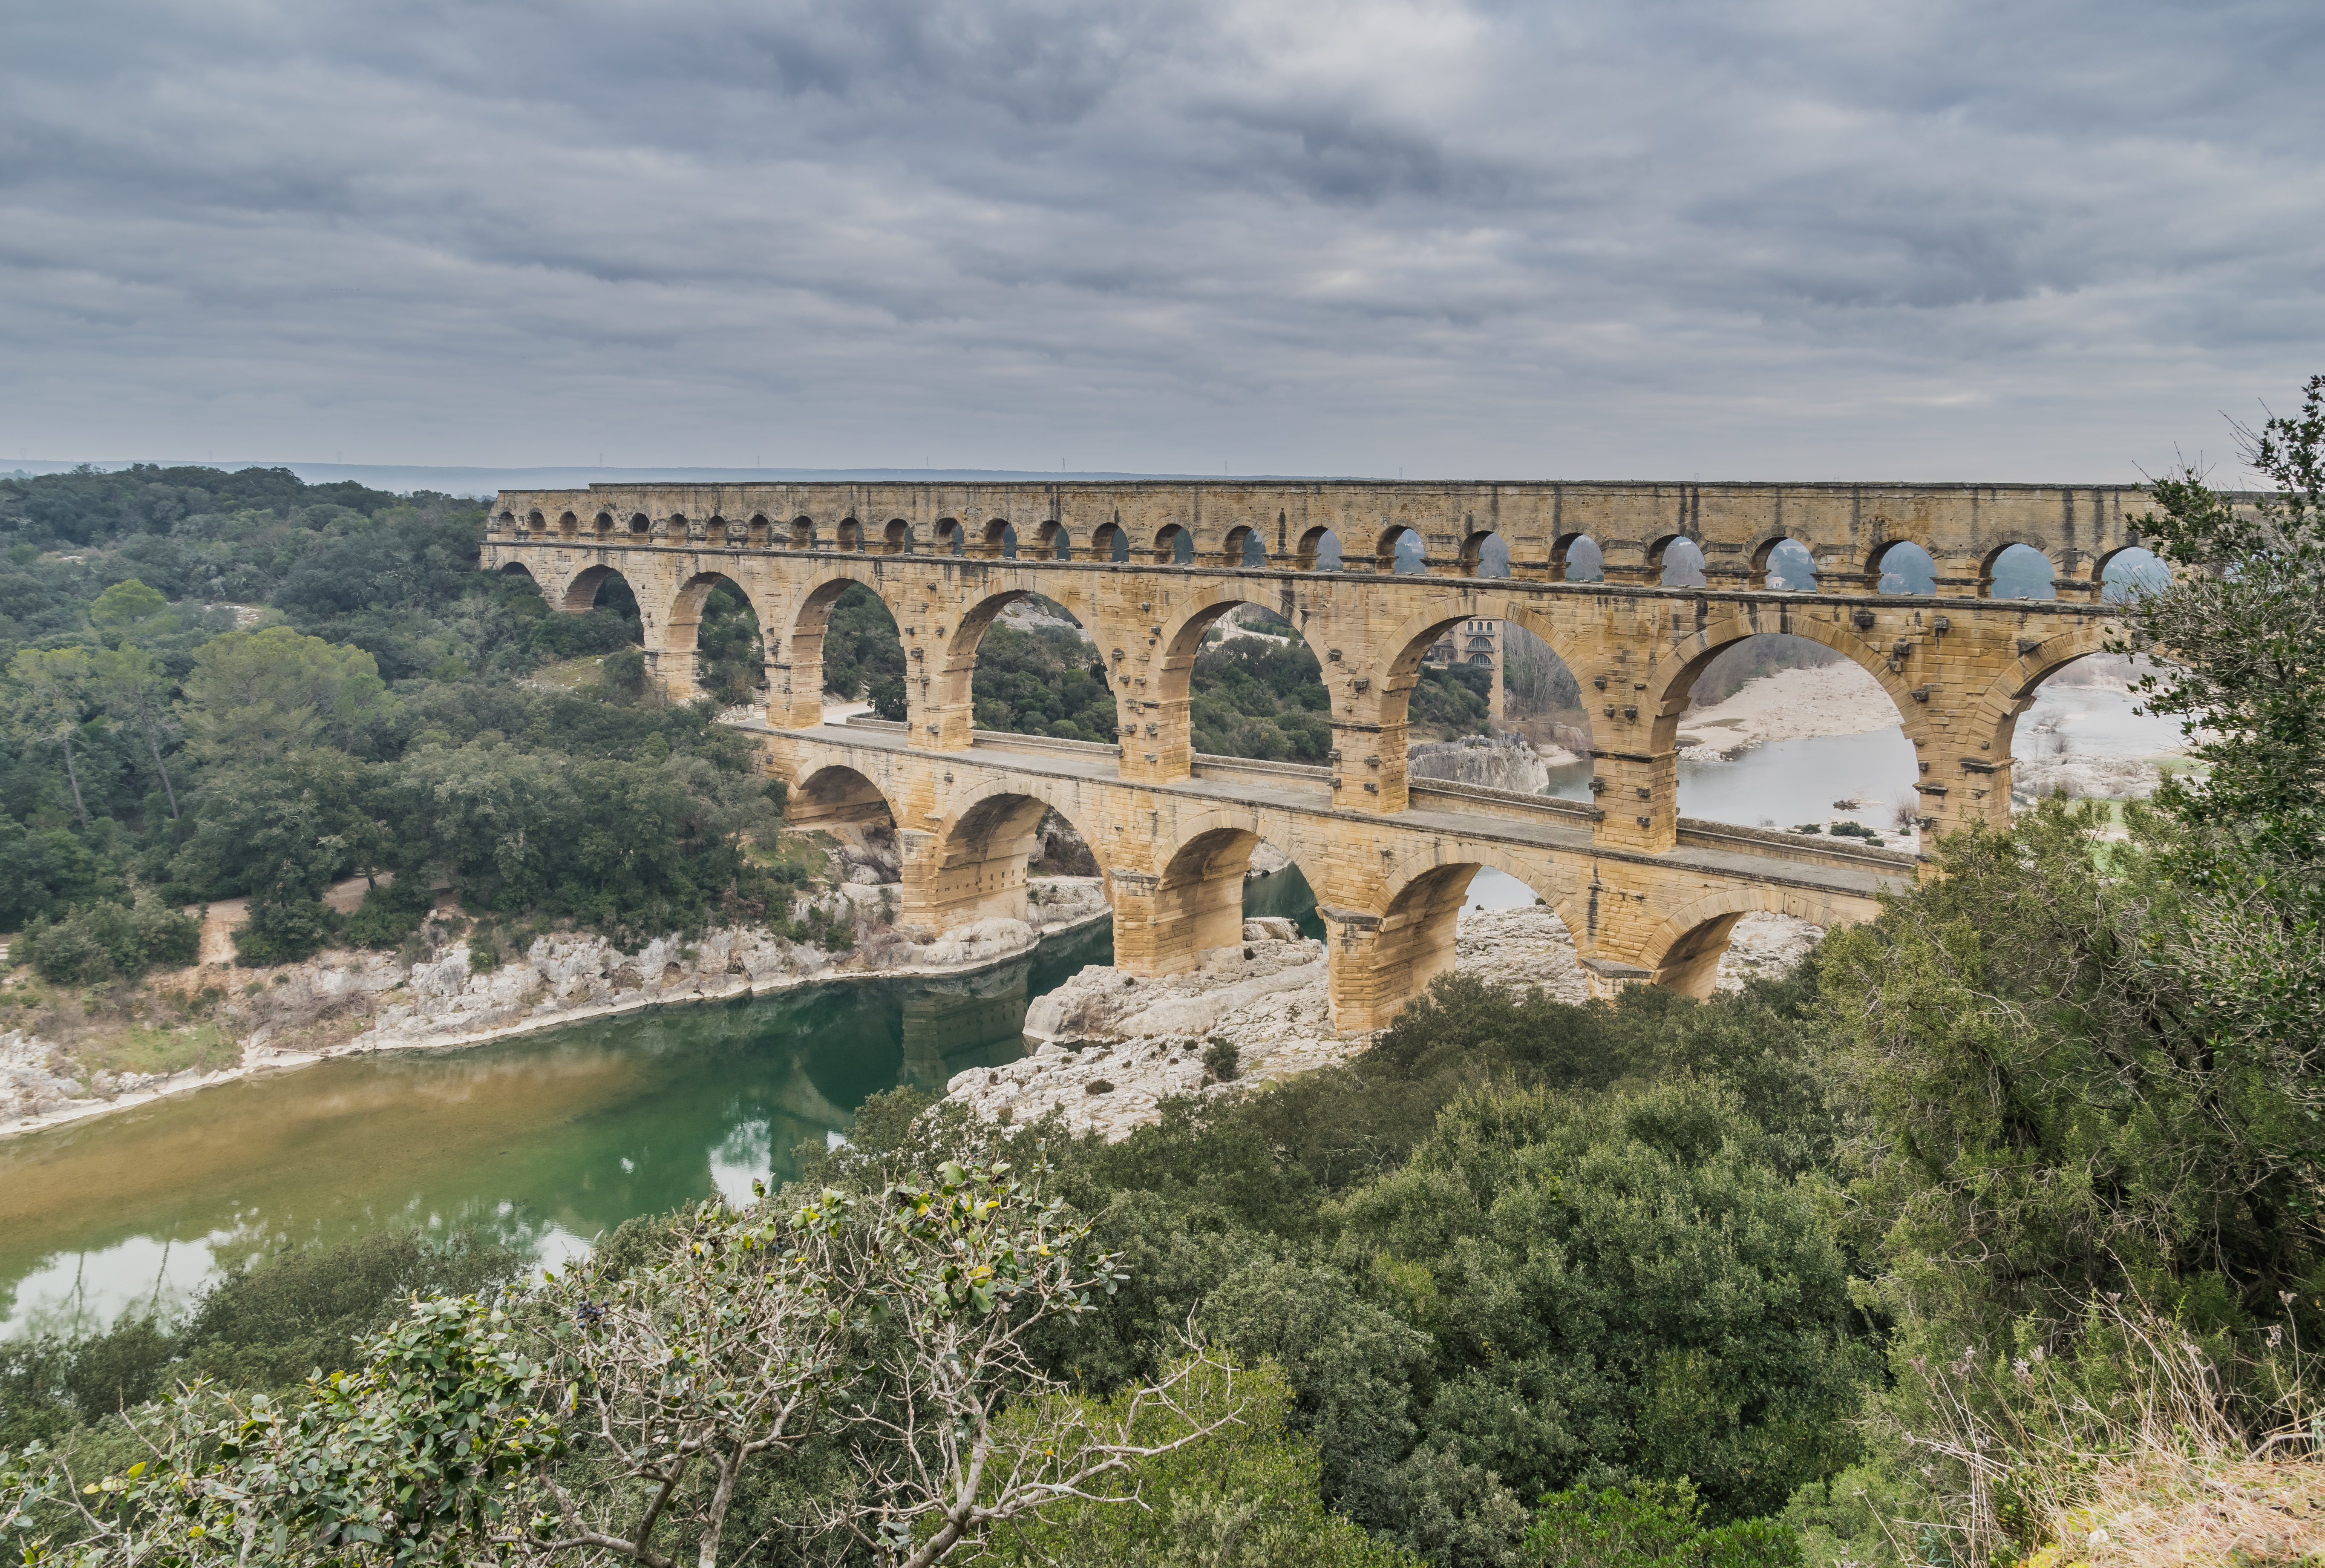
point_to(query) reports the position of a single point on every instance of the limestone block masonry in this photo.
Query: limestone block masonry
(1147, 568)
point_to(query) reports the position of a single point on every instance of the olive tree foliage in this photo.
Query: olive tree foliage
(2243, 622)
(617, 1417)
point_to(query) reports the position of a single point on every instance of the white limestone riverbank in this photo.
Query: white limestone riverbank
(344, 1003)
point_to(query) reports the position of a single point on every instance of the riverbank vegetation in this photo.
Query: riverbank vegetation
(1989, 1235)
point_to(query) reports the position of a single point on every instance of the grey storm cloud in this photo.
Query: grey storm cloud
(1754, 238)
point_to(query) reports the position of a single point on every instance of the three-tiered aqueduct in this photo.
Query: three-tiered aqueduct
(1647, 894)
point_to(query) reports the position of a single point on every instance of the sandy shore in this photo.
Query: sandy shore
(1832, 699)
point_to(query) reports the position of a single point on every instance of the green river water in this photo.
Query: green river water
(546, 1141)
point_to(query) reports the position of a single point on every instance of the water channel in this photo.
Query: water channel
(548, 1140)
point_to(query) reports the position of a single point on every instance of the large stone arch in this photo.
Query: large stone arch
(973, 866)
(1157, 726)
(1413, 942)
(1684, 658)
(835, 795)
(795, 694)
(1192, 901)
(951, 699)
(580, 590)
(1684, 952)
(683, 621)
(1993, 716)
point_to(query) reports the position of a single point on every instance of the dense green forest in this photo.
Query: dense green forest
(1991, 1228)
(229, 684)
(221, 685)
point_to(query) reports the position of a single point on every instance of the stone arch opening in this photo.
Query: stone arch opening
(1783, 565)
(1274, 705)
(1477, 918)
(1173, 546)
(2017, 571)
(978, 870)
(1111, 543)
(1542, 700)
(896, 539)
(758, 533)
(1401, 551)
(602, 524)
(507, 522)
(802, 533)
(1320, 551)
(951, 539)
(603, 588)
(2089, 736)
(1575, 557)
(517, 569)
(1485, 554)
(1052, 542)
(1433, 686)
(997, 542)
(568, 525)
(1690, 964)
(1244, 550)
(845, 648)
(2126, 573)
(641, 525)
(850, 535)
(1903, 566)
(713, 621)
(839, 797)
(1198, 903)
(676, 529)
(1678, 560)
(1022, 664)
(1717, 710)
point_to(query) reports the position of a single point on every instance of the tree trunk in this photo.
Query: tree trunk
(156, 746)
(74, 774)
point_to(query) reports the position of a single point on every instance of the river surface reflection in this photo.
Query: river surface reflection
(545, 1141)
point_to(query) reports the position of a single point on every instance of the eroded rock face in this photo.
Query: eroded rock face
(1103, 1003)
(1271, 1007)
(1495, 763)
(1114, 1045)
(33, 1082)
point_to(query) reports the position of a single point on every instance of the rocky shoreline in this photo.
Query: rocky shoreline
(342, 1003)
(1116, 1046)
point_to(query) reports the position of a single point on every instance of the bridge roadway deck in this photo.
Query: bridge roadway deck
(1554, 831)
(1388, 884)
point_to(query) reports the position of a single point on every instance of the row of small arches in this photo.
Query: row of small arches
(2011, 571)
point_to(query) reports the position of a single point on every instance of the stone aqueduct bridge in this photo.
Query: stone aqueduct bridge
(1647, 894)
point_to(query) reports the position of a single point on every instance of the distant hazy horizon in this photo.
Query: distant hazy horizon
(1952, 241)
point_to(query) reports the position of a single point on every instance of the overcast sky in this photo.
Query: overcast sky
(1726, 239)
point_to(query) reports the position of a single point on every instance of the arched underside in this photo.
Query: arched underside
(1198, 898)
(834, 796)
(581, 593)
(977, 872)
(1995, 720)
(1683, 954)
(802, 645)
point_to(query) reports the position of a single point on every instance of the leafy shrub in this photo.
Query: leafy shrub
(1653, 1525)
(102, 940)
(284, 931)
(624, 673)
(1222, 1063)
(391, 912)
